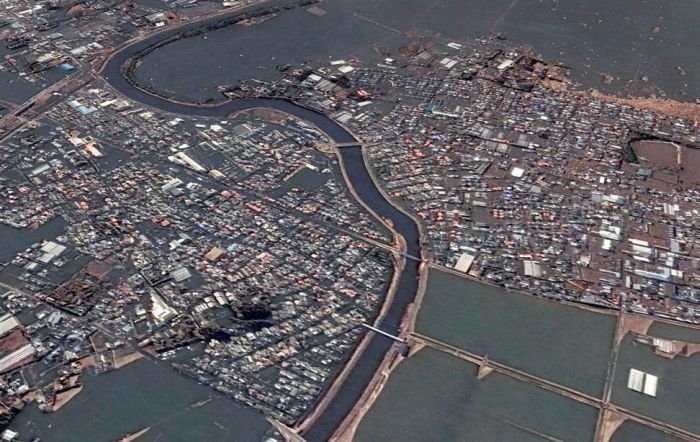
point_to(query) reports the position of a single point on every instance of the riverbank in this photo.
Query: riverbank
(399, 263)
(355, 169)
(554, 356)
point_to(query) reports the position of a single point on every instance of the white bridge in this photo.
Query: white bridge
(382, 332)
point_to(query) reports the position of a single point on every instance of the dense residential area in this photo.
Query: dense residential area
(217, 232)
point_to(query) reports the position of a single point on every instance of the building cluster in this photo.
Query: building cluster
(235, 238)
(43, 43)
(129, 231)
(135, 232)
(522, 181)
(44, 350)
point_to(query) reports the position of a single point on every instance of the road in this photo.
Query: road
(600, 404)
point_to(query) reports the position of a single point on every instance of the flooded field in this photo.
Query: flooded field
(15, 240)
(564, 344)
(670, 331)
(642, 45)
(15, 89)
(436, 396)
(678, 395)
(142, 395)
(308, 179)
(238, 53)
(635, 432)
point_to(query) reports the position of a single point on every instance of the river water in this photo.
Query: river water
(359, 27)
(360, 180)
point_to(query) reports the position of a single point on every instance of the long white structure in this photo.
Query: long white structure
(382, 332)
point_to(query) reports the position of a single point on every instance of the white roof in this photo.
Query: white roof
(464, 262)
(532, 268)
(650, 384)
(8, 323)
(505, 65)
(635, 381)
(642, 382)
(517, 172)
(16, 356)
(51, 250)
(9, 435)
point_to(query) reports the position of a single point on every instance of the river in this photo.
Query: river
(360, 180)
